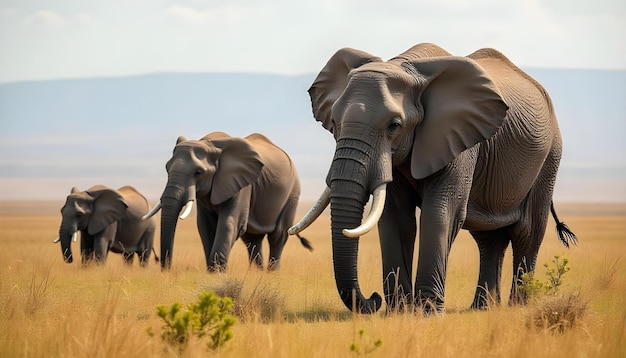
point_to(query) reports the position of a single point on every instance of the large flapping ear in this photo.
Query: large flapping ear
(462, 107)
(239, 166)
(109, 206)
(332, 80)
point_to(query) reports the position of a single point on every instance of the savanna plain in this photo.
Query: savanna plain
(52, 309)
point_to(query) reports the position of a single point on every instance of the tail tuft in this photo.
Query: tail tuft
(306, 243)
(563, 232)
(565, 235)
(156, 258)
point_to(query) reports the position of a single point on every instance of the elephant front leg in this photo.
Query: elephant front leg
(254, 244)
(86, 247)
(207, 226)
(103, 241)
(227, 231)
(397, 229)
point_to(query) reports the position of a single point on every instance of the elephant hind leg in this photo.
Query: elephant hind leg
(528, 233)
(492, 246)
(146, 244)
(254, 244)
(277, 240)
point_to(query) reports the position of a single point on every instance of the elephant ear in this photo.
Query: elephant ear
(332, 80)
(108, 207)
(239, 165)
(462, 107)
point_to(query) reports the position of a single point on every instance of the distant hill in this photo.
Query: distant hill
(59, 133)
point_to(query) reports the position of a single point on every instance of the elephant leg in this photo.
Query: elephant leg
(207, 223)
(229, 227)
(278, 238)
(443, 213)
(254, 244)
(146, 243)
(86, 247)
(528, 233)
(129, 257)
(277, 241)
(397, 228)
(492, 246)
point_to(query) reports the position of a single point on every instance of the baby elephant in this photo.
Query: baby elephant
(108, 220)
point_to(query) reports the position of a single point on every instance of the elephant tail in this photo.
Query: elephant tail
(156, 258)
(563, 232)
(306, 243)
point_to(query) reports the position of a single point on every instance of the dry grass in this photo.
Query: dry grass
(52, 309)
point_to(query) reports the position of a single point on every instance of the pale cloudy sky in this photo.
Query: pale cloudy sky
(78, 38)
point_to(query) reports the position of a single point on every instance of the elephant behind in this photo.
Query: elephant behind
(244, 188)
(472, 141)
(108, 220)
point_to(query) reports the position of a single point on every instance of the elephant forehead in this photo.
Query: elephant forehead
(77, 202)
(194, 148)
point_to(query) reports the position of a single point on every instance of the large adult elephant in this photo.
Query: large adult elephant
(245, 187)
(472, 141)
(109, 220)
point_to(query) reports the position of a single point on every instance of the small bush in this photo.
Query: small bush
(559, 313)
(261, 300)
(363, 346)
(208, 317)
(534, 288)
(553, 311)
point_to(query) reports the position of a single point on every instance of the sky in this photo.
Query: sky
(42, 40)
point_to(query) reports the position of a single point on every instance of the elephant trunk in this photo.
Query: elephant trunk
(66, 233)
(351, 180)
(174, 197)
(347, 212)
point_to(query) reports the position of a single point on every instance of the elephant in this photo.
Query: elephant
(244, 187)
(473, 142)
(108, 220)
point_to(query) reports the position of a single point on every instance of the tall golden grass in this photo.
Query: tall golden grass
(52, 309)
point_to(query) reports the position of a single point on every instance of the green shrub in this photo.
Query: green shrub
(553, 312)
(362, 346)
(534, 288)
(208, 317)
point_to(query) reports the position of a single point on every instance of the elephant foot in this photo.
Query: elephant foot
(429, 304)
(399, 303)
(217, 268)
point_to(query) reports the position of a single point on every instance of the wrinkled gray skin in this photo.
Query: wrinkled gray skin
(472, 141)
(108, 220)
(244, 187)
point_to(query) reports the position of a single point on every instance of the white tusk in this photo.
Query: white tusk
(313, 213)
(57, 239)
(152, 211)
(378, 205)
(186, 210)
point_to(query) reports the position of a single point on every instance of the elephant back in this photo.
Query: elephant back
(137, 203)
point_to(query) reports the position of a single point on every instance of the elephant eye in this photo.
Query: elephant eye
(394, 125)
(199, 172)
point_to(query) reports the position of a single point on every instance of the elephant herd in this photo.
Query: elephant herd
(473, 142)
